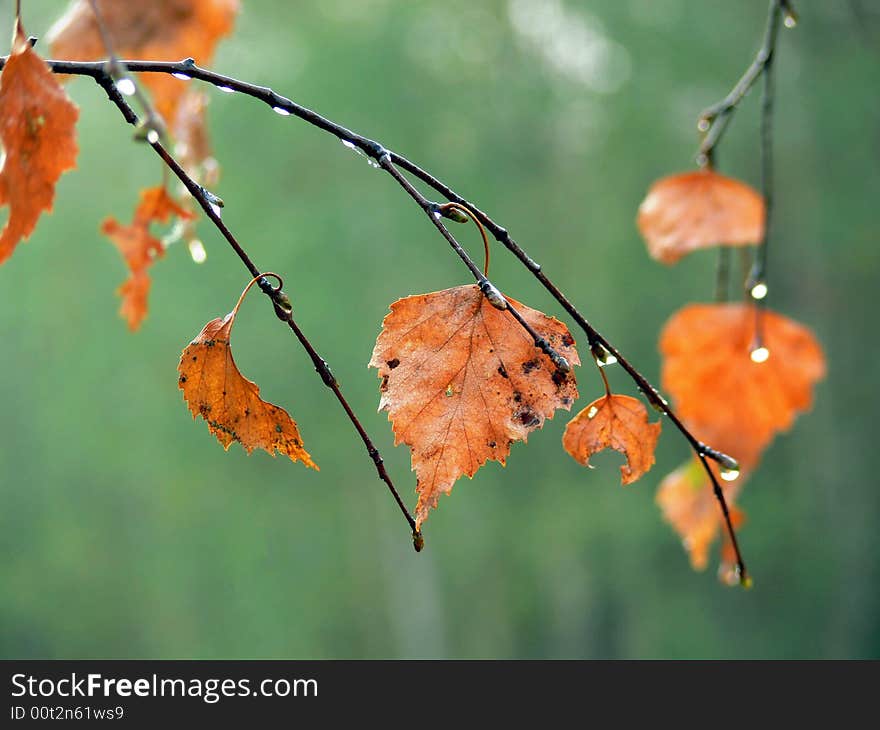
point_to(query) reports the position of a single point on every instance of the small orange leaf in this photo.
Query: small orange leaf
(688, 503)
(720, 392)
(159, 30)
(38, 134)
(214, 389)
(462, 381)
(617, 422)
(694, 210)
(140, 248)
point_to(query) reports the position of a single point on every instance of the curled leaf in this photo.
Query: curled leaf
(215, 389)
(693, 210)
(720, 391)
(462, 381)
(38, 135)
(617, 422)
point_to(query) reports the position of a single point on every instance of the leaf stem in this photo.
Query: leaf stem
(470, 214)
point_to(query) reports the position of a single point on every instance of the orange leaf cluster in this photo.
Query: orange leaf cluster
(215, 389)
(462, 381)
(38, 133)
(140, 248)
(693, 210)
(729, 401)
(617, 422)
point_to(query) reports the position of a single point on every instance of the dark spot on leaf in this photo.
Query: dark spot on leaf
(530, 365)
(195, 358)
(517, 396)
(491, 444)
(182, 379)
(393, 363)
(527, 417)
(278, 428)
(502, 372)
(558, 377)
(567, 340)
(566, 401)
(383, 386)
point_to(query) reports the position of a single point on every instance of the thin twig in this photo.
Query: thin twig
(714, 119)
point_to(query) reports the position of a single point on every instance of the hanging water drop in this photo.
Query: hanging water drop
(281, 111)
(197, 251)
(729, 475)
(126, 86)
(216, 209)
(591, 414)
(703, 125)
(152, 136)
(226, 89)
(760, 354)
(791, 19)
(182, 76)
(759, 290)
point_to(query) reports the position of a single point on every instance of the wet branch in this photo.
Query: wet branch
(390, 161)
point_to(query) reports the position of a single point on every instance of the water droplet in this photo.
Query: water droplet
(182, 76)
(216, 208)
(197, 251)
(760, 354)
(126, 86)
(152, 136)
(703, 125)
(729, 475)
(352, 146)
(438, 215)
(281, 111)
(605, 358)
(759, 290)
(790, 20)
(373, 163)
(592, 412)
(226, 89)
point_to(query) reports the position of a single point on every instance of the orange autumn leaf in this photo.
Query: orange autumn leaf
(159, 30)
(693, 210)
(689, 505)
(720, 392)
(462, 381)
(215, 389)
(617, 422)
(38, 135)
(140, 248)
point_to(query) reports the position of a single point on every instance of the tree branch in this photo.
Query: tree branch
(390, 161)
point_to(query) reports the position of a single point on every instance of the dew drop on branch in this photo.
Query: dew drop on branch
(759, 290)
(126, 86)
(281, 111)
(729, 475)
(182, 76)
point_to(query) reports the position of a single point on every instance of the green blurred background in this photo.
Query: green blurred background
(126, 531)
